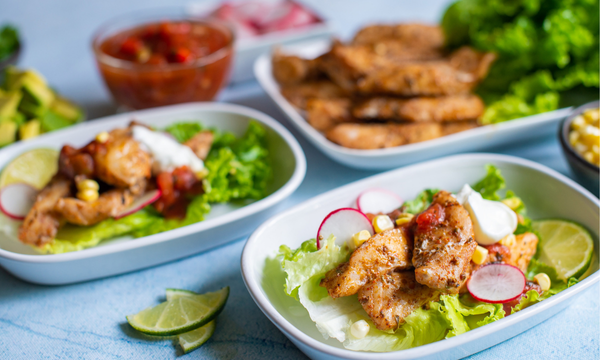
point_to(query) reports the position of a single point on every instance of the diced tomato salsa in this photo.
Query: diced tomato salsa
(176, 188)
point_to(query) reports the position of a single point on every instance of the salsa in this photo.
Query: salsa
(166, 62)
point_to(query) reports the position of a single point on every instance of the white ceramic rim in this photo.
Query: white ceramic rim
(264, 304)
(286, 190)
(266, 80)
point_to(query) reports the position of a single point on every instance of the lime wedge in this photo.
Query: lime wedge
(173, 294)
(565, 245)
(35, 167)
(183, 314)
(192, 340)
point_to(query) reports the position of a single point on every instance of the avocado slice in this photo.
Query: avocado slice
(15, 78)
(40, 93)
(30, 129)
(29, 108)
(9, 101)
(65, 109)
(8, 133)
(51, 121)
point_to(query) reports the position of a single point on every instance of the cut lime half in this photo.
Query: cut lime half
(192, 340)
(180, 315)
(565, 245)
(34, 167)
(173, 294)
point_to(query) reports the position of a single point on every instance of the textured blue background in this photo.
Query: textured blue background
(87, 320)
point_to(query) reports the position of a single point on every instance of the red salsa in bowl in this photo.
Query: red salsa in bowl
(165, 62)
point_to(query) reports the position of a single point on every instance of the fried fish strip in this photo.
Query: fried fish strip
(108, 204)
(201, 143)
(323, 114)
(411, 34)
(386, 251)
(42, 222)
(298, 94)
(377, 136)
(444, 244)
(421, 109)
(290, 69)
(391, 297)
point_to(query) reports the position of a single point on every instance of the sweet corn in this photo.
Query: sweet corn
(88, 184)
(543, 281)
(382, 223)
(480, 255)
(360, 329)
(404, 218)
(102, 137)
(584, 136)
(509, 240)
(513, 203)
(88, 195)
(202, 174)
(360, 237)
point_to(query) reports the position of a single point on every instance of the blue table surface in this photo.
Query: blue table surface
(87, 320)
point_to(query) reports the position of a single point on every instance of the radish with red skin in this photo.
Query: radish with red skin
(497, 283)
(343, 224)
(144, 200)
(376, 201)
(17, 199)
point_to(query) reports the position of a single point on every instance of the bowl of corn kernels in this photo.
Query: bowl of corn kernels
(580, 138)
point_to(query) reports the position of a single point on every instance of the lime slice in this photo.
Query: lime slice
(565, 245)
(173, 294)
(35, 167)
(183, 314)
(192, 340)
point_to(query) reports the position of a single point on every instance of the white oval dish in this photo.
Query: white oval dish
(531, 181)
(226, 222)
(481, 138)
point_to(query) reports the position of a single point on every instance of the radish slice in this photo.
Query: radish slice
(17, 199)
(343, 223)
(497, 283)
(146, 199)
(376, 201)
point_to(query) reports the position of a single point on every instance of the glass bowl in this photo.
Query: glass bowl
(139, 86)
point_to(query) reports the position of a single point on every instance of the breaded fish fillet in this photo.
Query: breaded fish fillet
(298, 94)
(410, 34)
(323, 114)
(290, 69)
(108, 204)
(421, 109)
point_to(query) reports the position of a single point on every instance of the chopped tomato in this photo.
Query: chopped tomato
(181, 55)
(132, 46)
(433, 216)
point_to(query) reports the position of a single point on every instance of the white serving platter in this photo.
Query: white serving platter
(226, 222)
(481, 138)
(531, 181)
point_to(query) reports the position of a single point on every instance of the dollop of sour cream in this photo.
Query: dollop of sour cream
(167, 153)
(492, 220)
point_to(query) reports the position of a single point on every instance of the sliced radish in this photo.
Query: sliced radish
(17, 199)
(376, 201)
(497, 283)
(144, 200)
(343, 223)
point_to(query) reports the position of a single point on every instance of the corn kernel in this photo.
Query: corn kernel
(382, 223)
(360, 237)
(592, 116)
(360, 329)
(202, 174)
(578, 123)
(589, 156)
(573, 137)
(513, 203)
(581, 148)
(543, 281)
(404, 218)
(509, 240)
(88, 195)
(88, 184)
(480, 255)
(102, 137)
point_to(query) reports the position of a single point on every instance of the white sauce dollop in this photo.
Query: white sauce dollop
(167, 153)
(492, 220)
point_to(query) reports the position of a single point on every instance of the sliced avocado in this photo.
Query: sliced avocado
(52, 121)
(30, 108)
(8, 133)
(11, 75)
(18, 118)
(15, 79)
(30, 129)
(9, 101)
(40, 93)
(66, 109)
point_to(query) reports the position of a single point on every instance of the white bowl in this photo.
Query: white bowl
(545, 192)
(226, 222)
(484, 137)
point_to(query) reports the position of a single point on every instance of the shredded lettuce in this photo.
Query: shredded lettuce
(183, 131)
(420, 203)
(489, 186)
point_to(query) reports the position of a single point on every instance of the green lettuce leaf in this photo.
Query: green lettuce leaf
(75, 238)
(465, 313)
(420, 203)
(183, 131)
(489, 186)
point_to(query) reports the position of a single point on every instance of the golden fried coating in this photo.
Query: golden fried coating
(523, 250)
(412, 34)
(421, 109)
(108, 204)
(377, 136)
(201, 143)
(298, 94)
(383, 252)
(444, 244)
(323, 114)
(458, 126)
(289, 69)
(391, 297)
